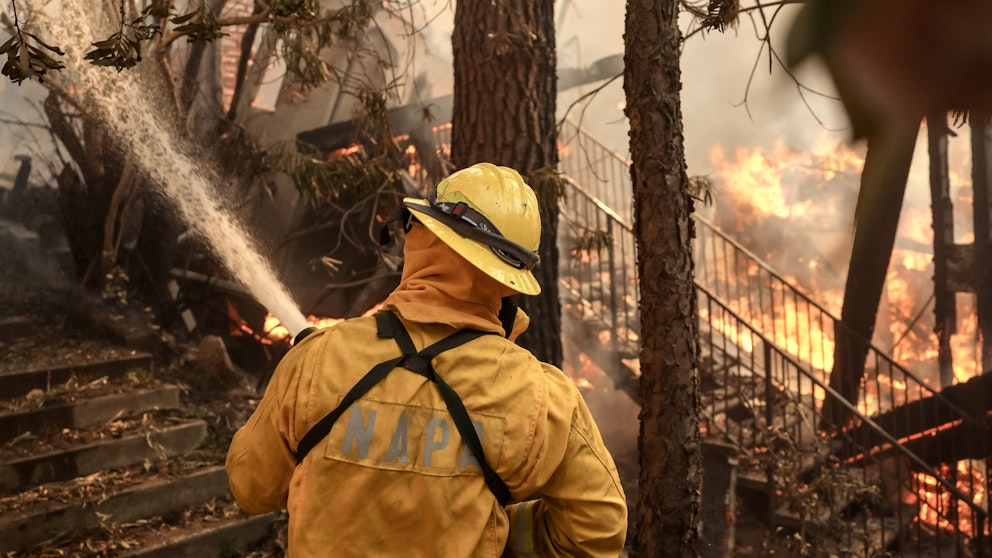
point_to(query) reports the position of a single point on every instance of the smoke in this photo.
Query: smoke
(123, 103)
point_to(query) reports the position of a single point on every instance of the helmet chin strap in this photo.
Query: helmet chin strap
(507, 315)
(400, 215)
(464, 224)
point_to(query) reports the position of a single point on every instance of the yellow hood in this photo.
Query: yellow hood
(439, 286)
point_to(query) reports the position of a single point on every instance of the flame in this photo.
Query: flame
(814, 191)
(806, 189)
(773, 194)
(584, 373)
(274, 330)
(761, 180)
(935, 500)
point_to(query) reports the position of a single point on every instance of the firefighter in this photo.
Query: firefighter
(425, 430)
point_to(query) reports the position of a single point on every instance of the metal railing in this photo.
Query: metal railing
(763, 297)
(595, 166)
(765, 401)
(805, 330)
(598, 271)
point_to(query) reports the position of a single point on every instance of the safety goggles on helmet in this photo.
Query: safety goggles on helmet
(473, 225)
(463, 210)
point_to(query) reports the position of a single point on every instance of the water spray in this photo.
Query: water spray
(124, 107)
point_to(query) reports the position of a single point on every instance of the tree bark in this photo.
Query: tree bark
(504, 113)
(669, 483)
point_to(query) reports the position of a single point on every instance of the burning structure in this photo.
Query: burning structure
(768, 314)
(770, 275)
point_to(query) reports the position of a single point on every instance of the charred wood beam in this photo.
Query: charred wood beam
(883, 186)
(247, 41)
(981, 179)
(942, 447)
(960, 270)
(197, 50)
(945, 309)
(82, 245)
(223, 285)
(63, 129)
(187, 91)
(925, 416)
(415, 119)
(948, 446)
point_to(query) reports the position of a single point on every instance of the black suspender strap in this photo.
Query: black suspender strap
(421, 364)
(320, 430)
(389, 325)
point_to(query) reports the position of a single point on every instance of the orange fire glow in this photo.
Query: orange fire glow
(935, 500)
(814, 191)
(772, 195)
(276, 331)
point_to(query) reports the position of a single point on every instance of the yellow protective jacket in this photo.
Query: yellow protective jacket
(393, 477)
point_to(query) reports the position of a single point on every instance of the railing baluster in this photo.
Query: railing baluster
(614, 337)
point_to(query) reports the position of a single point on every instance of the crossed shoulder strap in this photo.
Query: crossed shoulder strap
(389, 326)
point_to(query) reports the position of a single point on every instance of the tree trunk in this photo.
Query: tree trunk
(669, 483)
(504, 113)
(876, 217)
(84, 197)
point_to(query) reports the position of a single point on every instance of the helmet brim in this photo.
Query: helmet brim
(478, 254)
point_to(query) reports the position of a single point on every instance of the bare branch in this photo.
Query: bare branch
(25, 124)
(762, 16)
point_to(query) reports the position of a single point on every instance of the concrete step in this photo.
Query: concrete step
(219, 539)
(57, 519)
(217, 528)
(18, 383)
(85, 413)
(131, 448)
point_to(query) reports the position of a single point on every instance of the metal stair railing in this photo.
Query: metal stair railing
(763, 297)
(772, 419)
(788, 317)
(598, 282)
(601, 171)
(797, 322)
(763, 393)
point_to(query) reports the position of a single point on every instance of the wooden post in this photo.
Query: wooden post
(981, 143)
(945, 308)
(719, 509)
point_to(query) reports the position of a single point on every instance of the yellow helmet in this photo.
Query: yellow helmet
(489, 216)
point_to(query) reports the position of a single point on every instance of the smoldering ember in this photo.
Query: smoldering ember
(778, 309)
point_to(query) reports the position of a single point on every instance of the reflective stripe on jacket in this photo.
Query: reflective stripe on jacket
(393, 477)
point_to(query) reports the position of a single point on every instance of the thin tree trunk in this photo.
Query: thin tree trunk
(669, 483)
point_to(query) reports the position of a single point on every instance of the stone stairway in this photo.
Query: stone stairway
(105, 453)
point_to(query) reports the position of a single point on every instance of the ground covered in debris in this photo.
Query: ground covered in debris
(40, 327)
